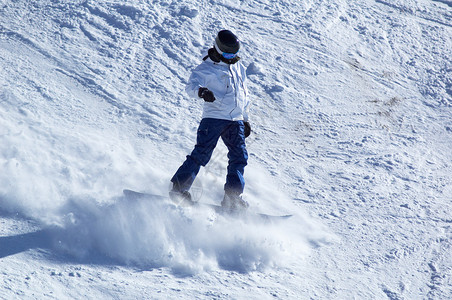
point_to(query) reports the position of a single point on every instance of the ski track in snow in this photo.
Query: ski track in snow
(351, 133)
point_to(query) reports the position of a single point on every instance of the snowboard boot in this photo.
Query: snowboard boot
(180, 197)
(234, 203)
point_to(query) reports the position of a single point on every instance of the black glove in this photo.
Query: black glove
(206, 94)
(247, 129)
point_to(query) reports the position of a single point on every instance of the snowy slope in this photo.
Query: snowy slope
(352, 134)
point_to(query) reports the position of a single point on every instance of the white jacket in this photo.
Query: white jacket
(227, 82)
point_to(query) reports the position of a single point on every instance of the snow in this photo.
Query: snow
(352, 134)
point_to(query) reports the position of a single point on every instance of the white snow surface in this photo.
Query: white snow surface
(352, 134)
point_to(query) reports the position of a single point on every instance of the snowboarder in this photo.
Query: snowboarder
(220, 80)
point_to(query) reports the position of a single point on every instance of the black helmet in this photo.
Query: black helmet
(227, 42)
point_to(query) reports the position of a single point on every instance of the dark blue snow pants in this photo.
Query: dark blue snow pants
(210, 130)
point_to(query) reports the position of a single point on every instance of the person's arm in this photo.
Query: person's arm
(195, 82)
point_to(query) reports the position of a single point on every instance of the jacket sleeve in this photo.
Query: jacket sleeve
(247, 102)
(195, 81)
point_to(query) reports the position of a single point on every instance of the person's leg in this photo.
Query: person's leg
(209, 132)
(234, 138)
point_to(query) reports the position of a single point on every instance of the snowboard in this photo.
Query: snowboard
(133, 195)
